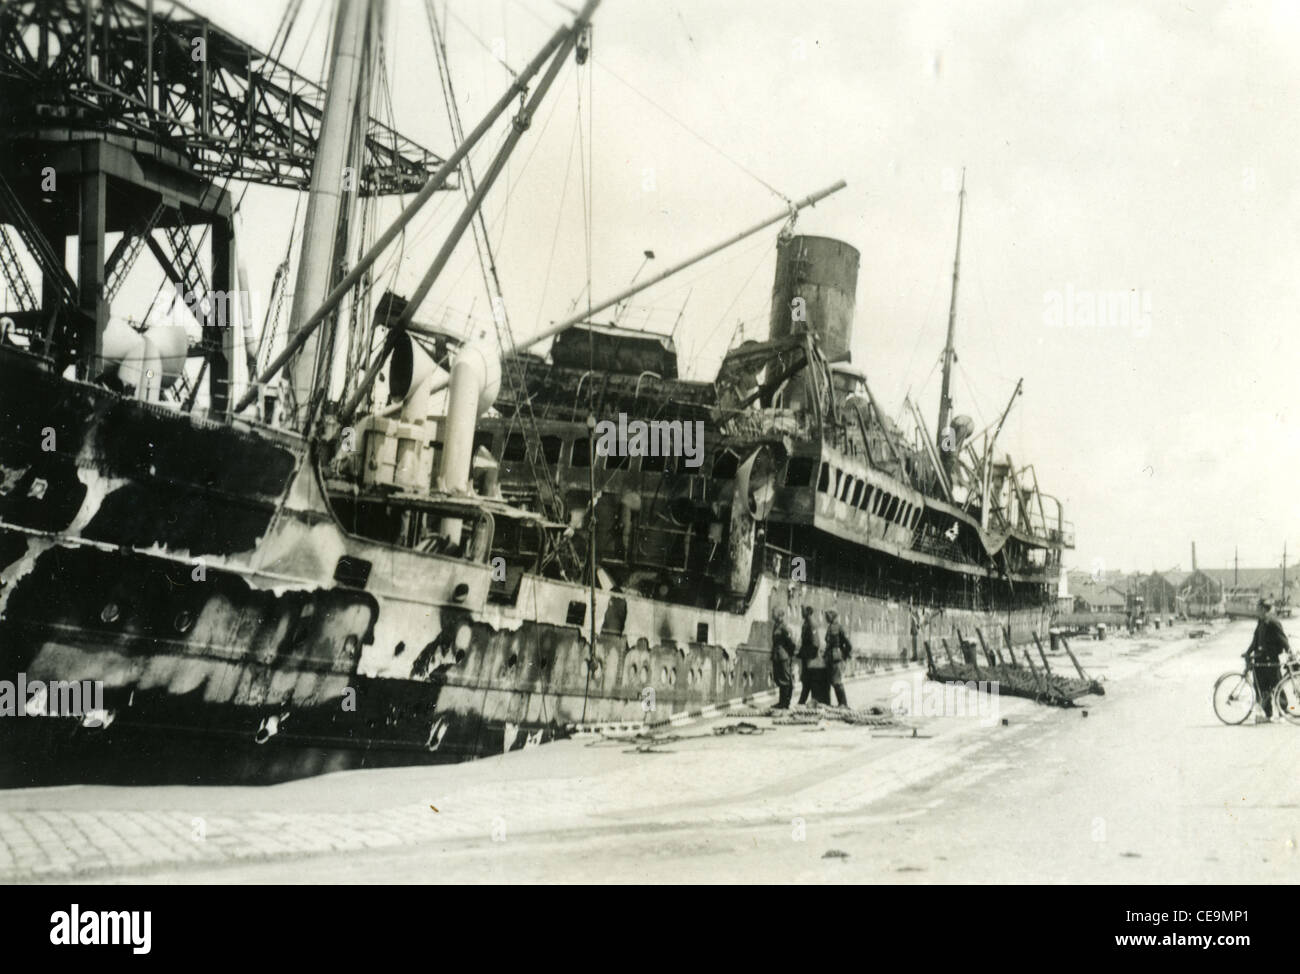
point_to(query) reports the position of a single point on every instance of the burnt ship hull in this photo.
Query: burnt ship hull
(196, 572)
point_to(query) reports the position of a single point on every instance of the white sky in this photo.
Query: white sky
(1109, 147)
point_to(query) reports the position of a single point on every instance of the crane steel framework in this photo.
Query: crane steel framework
(160, 72)
(119, 116)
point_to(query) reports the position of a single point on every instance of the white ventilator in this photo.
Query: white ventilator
(475, 382)
(148, 361)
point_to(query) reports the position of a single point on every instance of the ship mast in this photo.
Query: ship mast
(945, 398)
(327, 306)
(330, 197)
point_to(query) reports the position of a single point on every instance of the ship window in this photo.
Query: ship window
(893, 509)
(551, 446)
(701, 632)
(866, 497)
(839, 478)
(581, 453)
(857, 494)
(354, 572)
(881, 503)
(577, 613)
(515, 449)
(848, 485)
(916, 518)
(798, 472)
(824, 478)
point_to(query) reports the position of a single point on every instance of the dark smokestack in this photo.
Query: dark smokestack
(823, 272)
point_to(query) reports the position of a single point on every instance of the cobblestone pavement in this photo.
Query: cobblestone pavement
(581, 787)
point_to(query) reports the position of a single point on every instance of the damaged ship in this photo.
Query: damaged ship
(273, 582)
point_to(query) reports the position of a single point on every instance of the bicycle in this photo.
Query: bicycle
(1235, 693)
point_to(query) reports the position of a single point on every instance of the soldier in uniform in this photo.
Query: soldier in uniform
(814, 677)
(1267, 647)
(783, 652)
(838, 652)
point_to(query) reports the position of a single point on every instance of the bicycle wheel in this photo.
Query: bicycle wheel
(1286, 698)
(1234, 697)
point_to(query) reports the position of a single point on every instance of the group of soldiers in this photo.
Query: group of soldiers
(821, 654)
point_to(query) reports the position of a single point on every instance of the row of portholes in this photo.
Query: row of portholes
(641, 675)
(746, 678)
(182, 622)
(543, 663)
(668, 677)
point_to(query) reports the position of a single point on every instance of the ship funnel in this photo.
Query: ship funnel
(815, 290)
(475, 382)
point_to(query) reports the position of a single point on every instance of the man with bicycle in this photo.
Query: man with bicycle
(1265, 652)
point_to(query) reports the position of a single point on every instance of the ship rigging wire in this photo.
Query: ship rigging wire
(491, 278)
(559, 216)
(690, 131)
